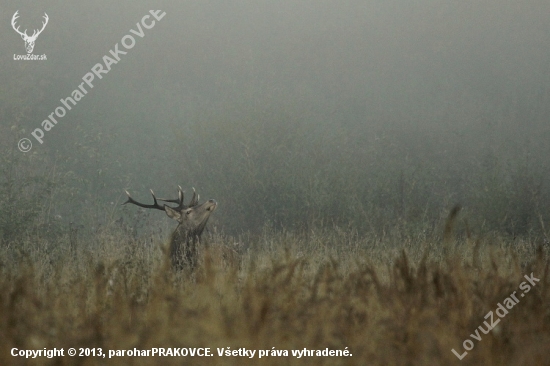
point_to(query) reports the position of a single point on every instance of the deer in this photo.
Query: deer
(191, 218)
(29, 40)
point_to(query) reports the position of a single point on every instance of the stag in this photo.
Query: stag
(29, 41)
(192, 219)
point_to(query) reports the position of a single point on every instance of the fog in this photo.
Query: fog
(294, 114)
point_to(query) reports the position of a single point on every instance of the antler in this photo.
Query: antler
(36, 32)
(178, 200)
(46, 18)
(154, 205)
(194, 199)
(13, 19)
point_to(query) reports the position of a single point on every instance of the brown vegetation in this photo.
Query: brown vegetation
(389, 301)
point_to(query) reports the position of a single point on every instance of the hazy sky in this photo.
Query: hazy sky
(390, 57)
(446, 77)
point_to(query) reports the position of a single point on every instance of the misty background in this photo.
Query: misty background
(369, 115)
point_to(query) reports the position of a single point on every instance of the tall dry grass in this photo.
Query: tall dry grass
(390, 300)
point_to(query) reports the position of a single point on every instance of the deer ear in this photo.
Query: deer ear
(173, 214)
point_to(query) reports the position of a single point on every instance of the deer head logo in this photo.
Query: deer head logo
(29, 40)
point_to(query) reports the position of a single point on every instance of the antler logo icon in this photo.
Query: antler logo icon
(29, 40)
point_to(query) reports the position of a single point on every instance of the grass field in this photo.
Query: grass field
(389, 300)
(335, 137)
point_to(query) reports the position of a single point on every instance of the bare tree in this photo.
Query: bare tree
(192, 219)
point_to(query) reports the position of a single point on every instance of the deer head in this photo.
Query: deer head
(29, 40)
(192, 219)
